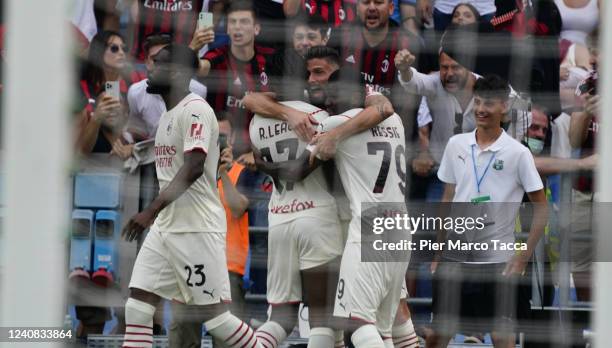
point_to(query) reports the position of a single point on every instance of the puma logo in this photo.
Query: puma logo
(461, 158)
(342, 305)
(210, 293)
(196, 116)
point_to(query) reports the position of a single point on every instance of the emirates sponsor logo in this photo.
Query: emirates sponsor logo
(169, 5)
(294, 207)
(165, 150)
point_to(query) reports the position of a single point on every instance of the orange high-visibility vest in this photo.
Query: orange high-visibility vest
(237, 236)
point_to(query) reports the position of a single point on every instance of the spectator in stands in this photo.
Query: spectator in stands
(101, 123)
(449, 94)
(234, 71)
(441, 13)
(465, 13)
(287, 69)
(177, 18)
(537, 133)
(579, 17)
(367, 53)
(584, 127)
(335, 12)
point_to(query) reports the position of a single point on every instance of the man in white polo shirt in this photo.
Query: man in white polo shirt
(486, 165)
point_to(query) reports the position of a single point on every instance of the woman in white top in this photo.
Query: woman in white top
(579, 17)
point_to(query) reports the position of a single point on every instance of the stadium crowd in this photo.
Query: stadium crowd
(445, 89)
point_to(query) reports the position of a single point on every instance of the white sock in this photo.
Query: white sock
(339, 339)
(404, 335)
(232, 331)
(367, 337)
(271, 334)
(138, 324)
(321, 337)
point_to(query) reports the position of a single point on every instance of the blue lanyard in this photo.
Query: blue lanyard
(479, 180)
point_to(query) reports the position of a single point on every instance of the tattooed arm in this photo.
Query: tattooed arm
(377, 109)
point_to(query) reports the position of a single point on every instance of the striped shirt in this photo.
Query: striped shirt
(175, 17)
(334, 12)
(229, 81)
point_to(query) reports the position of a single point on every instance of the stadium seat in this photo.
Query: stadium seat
(106, 234)
(81, 238)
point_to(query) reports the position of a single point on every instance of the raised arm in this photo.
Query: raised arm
(265, 105)
(377, 109)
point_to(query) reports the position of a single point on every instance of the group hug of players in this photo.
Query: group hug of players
(314, 220)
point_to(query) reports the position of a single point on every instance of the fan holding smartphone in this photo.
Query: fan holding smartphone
(204, 33)
(100, 126)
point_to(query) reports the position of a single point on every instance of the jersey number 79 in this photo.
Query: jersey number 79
(400, 156)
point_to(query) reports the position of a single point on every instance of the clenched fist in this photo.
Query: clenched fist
(403, 61)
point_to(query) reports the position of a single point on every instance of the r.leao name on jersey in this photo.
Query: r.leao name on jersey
(270, 131)
(169, 5)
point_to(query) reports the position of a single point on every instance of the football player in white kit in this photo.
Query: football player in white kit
(304, 237)
(322, 62)
(183, 255)
(368, 293)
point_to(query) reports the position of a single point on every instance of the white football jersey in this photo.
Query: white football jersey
(190, 126)
(277, 143)
(372, 164)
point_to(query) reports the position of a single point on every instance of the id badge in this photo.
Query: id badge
(481, 199)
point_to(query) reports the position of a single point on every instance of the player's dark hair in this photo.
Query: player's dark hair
(323, 52)
(314, 22)
(156, 40)
(492, 87)
(183, 56)
(93, 69)
(242, 5)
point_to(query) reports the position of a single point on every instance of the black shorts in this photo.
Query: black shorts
(473, 298)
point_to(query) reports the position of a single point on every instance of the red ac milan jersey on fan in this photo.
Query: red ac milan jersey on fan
(229, 81)
(334, 12)
(175, 17)
(373, 65)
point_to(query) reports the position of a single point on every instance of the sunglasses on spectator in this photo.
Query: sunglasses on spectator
(114, 48)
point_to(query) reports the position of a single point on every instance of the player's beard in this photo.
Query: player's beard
(317, 96)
